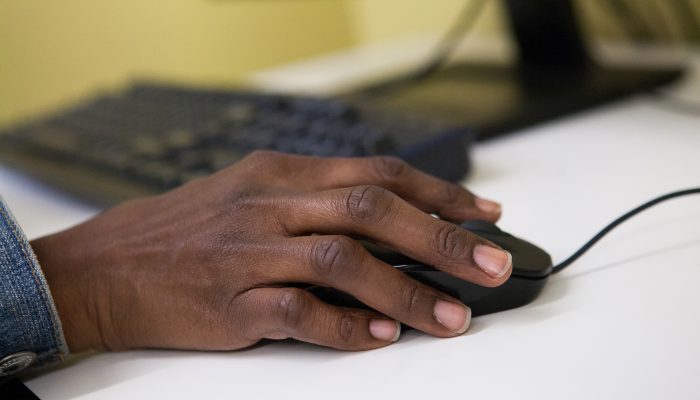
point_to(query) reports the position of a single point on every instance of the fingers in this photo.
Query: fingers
(342, 263)
(430, 194)
(278, 313)
(379, 215)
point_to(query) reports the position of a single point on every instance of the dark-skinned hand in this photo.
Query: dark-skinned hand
(215, 264)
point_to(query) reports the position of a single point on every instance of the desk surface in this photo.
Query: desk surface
(620, 323)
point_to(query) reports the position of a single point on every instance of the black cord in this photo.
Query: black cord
(617, 222)
(445, 47)
(452, 38)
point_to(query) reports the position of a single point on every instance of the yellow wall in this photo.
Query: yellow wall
(378, 19)
(53, 51)
(382, 19)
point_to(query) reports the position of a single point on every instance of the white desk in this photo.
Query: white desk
(623, 322)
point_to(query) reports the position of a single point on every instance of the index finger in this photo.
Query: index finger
(449, 200)
(377, 214)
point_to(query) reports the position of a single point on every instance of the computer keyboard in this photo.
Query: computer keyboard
(154, 137)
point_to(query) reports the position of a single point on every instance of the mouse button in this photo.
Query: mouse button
(502, 239)
(479, 226)
(529, 261)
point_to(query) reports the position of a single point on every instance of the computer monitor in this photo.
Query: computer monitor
(554, 75)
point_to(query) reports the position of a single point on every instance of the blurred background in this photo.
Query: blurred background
(56, 52)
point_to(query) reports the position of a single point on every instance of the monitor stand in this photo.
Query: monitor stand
(493, 100)
(554, 76)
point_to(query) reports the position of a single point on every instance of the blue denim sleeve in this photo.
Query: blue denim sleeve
(30, 331)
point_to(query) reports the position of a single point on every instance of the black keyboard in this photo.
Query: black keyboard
(152, 137)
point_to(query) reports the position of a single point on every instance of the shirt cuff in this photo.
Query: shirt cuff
(30, 330)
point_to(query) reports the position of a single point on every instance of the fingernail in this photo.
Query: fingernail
(388, 331)
(493, 261)
(454, 317)
(487, 206)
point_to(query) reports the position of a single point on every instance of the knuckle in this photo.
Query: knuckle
(235, 309)
(410, 298)
(266, 164)
(332, 256)
(244, 200)
(346, 327)
(274, 166)
(262, 156)
(450, 242)
(243, 195)
(452, 193)
(368, 203)
(388, 167)
(292, 306)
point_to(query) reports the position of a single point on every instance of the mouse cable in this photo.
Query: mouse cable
(615, 223)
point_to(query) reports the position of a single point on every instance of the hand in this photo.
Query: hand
(213, 264)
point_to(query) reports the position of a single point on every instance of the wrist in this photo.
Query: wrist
(70, 288)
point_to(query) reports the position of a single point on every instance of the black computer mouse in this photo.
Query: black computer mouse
(531, 268)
